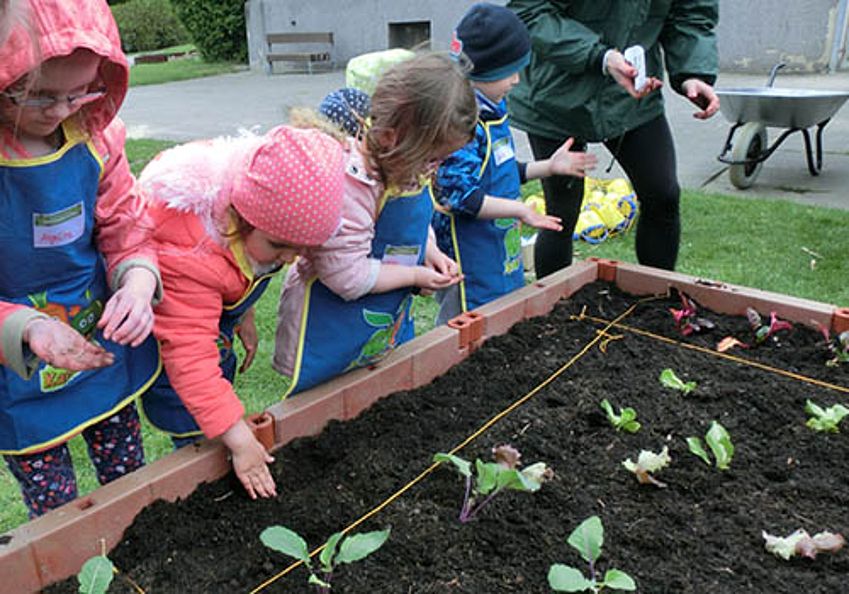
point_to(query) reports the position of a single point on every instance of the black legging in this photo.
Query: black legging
(647, 155)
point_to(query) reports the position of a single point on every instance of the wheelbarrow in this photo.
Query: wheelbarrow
(751, 110)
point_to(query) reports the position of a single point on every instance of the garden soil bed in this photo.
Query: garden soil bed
(700, 534)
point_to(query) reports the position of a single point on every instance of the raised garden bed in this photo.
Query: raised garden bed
(702, 533)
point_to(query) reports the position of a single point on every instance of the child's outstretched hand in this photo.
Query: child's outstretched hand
(128, 315)
(250, 460)
(566, 162)
(537, 220)
(59, 345)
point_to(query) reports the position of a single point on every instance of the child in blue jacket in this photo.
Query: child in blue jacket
(478, 187)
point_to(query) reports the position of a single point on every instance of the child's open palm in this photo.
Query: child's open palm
(566, 162)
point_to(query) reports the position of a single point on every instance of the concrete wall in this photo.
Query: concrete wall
(810, 35)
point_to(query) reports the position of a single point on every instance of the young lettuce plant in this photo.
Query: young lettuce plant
(647, 463)
(492, 478)
(337, 550)
(803, 544)
(626, 420)
(587, 539)
(96, 575)
(670, 380)
(719, 442)
(825, 419)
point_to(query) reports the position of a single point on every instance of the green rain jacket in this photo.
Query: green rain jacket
(563, 91)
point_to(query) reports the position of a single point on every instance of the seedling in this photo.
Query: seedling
(803, 544)
(354, 547)
(587, 539)
(687, 320)
(825, 419)
(837, 347)
(670, 380)
(96, 575)
(492, 478)
(647, 463)
(626, 419)
(764, 331)
(719, 442)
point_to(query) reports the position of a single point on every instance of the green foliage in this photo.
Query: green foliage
(148, 25)
(670, 380)
(825, 419)
(719, 442)
(96, 574)
(626, 419)
(217, 28)
(337, 550)
(588, 539)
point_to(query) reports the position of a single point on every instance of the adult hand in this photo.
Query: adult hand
(61, 346)
(248, 336)
(702, 95)
(128, 315)
(624, 74)
(250, 460)
(566, 162)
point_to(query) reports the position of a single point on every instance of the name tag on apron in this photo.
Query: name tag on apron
(405, 255)
(502, 151)
(58, 228)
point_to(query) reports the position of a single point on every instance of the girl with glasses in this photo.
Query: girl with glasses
(75, 293)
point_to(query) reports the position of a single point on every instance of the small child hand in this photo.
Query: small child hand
(128, 315)
(433, 280)
(566, 162)
(59, 345)
(540, 221)
(250, 460)
(246, 331)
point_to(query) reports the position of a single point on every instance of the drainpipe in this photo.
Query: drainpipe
(838, 49)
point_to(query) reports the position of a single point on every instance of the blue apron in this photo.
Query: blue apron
(50, 262)
(161, 404)
(489, 252)
(338, 335)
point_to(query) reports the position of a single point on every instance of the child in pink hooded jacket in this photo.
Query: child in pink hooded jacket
(225, 215)
(75, 292)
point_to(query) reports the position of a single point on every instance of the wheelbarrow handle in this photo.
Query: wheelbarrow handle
(773, 72)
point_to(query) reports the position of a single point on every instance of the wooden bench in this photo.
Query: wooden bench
(321, 55)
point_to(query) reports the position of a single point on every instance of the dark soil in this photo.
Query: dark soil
(700, 534)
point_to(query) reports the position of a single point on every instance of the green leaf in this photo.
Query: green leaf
(696, 447)
(286, 541)
(618, 580)
(378, 319)
(588, 538)
(96, 575)
(825, 419)
(487, 476)
(670, 380)
(326, 556)
(464, 466)
(562, 578)
(611, 415)
(359, 546)
(625, 420)
(720, 444)
(535, 475)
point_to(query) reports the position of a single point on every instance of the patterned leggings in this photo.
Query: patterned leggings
(47, 478)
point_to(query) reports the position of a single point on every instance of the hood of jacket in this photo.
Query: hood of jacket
(54, 28)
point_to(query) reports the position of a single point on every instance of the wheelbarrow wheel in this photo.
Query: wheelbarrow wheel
(751, 141)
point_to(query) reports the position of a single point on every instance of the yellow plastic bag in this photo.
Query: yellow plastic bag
(607, 203)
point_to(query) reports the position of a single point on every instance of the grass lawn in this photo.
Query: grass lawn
(176, 69)
(758, 243)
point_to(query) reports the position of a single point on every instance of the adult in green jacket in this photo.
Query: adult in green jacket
(578, 84)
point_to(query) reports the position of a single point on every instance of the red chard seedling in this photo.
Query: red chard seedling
(587, 539)
(491, 478)
(764, 331)
(838, 347)
(687, 320)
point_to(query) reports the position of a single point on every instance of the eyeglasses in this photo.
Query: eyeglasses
(47, 101)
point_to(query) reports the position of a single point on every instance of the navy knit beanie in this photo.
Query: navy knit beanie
(347, 108)
(494, 39)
